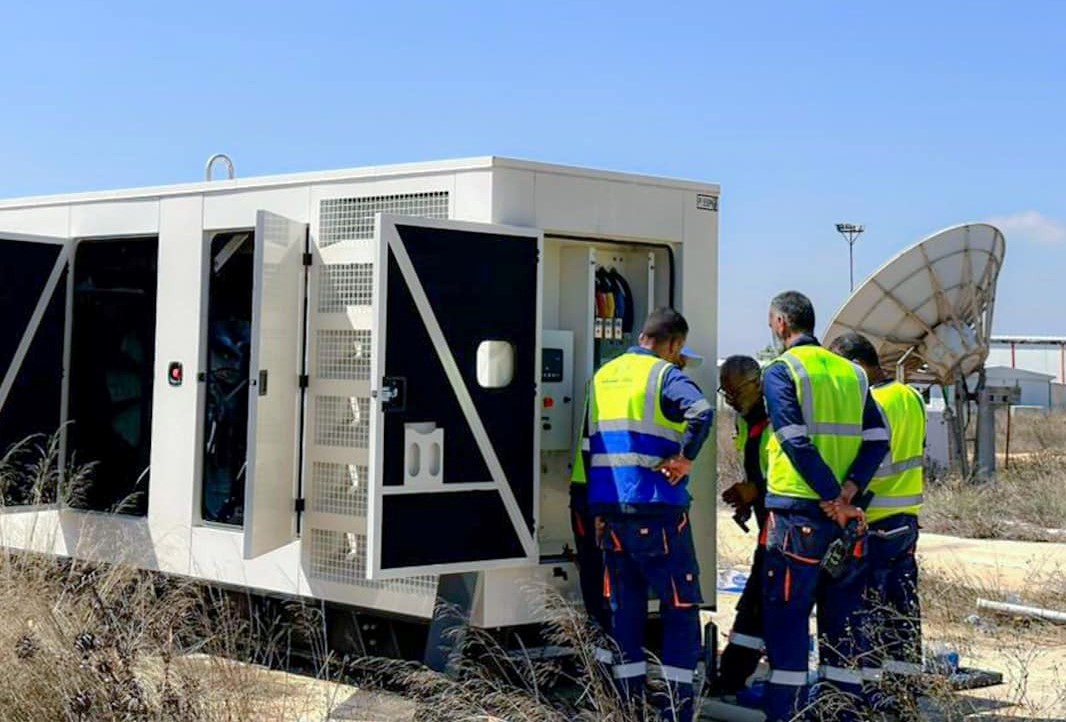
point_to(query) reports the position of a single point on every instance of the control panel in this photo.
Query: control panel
(557, 391)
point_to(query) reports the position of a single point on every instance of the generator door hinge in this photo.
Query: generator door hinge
(307, 259)
(300, 504)
(305, 381)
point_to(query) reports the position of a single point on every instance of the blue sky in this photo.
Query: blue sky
(904, 116)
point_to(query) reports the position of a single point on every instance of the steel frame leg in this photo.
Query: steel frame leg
(451, 619)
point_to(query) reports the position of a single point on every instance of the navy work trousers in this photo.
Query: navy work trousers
(653, 551)
(741, 656)
(589, 563)
(893, 614)
(793, 582)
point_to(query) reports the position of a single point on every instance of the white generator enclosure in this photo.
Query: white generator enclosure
(337, 385)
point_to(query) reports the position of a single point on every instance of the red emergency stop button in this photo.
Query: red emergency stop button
(549, 402)
(175, 373)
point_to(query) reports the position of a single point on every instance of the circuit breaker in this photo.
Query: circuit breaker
(557, 391)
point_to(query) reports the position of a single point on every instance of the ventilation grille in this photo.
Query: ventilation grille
(342, 421)
(345, 284)
(338, 489)
(340, 557)
(352, 219)
(344, 355)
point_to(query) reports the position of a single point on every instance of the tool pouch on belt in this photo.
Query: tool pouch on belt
(844, 549)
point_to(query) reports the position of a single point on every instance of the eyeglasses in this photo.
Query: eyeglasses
(730, 397)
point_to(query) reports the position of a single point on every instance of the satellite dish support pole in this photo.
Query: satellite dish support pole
(955, 422)
(985, 443)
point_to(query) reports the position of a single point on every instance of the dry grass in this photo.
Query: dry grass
(949, 604)
(1031, 430)
(1027, 499)
(1026, 502)
(491, 683)
(80, 644)
(1028, 652)
(494, 685)
(82, 641)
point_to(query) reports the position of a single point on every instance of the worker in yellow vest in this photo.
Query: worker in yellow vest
(895, 654)
(827, 431)
(587, 555)
(741, 386)
(647, 421)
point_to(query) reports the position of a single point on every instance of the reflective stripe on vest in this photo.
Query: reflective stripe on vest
(897, 484)
(630, 435)
(831, 392)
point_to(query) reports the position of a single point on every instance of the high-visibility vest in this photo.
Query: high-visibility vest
(897, 484)
(577, 472)
(744, 433)
(832, 395)
(629, 435)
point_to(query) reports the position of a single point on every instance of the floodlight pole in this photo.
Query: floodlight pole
(851, 233)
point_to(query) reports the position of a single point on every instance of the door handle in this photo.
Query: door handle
(393, 393)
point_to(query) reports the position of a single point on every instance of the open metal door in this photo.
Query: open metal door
(33, 296)
(454, 436)
(274, 398)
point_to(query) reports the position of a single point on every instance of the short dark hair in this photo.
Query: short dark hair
(856, 347)
(744, 367)
(665, 324)
(797, 310)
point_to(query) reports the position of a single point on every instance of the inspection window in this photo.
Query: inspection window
(229, 330)
(112, 357)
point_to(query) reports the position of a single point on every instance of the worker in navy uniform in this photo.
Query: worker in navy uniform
(893, 614)
(647, 421)
(587, 553)
(827, 431)
(741, 386)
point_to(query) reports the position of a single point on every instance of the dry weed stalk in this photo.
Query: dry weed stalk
(490, 682)
(84, 641)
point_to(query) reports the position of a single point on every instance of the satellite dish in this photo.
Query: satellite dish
(929, 309)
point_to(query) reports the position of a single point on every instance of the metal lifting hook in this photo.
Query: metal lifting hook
(211, 162)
